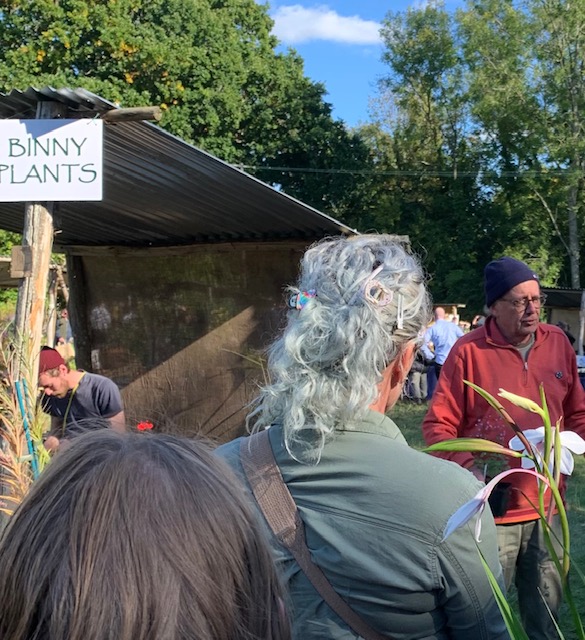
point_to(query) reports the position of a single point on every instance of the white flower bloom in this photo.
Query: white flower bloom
(478, 503)
(570, 442)
(475, 506)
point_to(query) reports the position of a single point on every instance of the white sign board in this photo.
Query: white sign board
(51, 160)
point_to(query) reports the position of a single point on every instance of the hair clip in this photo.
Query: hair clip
(375, 292)
(300, 299)
(400, 311)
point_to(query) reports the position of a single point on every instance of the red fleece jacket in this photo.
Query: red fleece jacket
(485, 358)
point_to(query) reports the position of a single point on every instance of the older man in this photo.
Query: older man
(73, 396)
(513, 350)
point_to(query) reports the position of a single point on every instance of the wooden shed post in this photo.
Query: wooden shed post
(37, 237)
(51, 308)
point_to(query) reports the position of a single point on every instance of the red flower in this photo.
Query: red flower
(144, 426)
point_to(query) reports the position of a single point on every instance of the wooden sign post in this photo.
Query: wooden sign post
(37, 238)
(34, 256)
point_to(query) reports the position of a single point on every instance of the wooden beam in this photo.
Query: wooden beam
(78, 311)
(132, 114)
(37, 237)
(182, 250)
(51, 309)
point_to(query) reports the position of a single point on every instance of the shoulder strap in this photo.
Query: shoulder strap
(280, 511)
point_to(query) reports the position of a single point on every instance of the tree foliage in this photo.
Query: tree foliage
(484, 146)
(211, 64)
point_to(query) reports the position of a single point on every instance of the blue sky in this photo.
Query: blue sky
(340, 44)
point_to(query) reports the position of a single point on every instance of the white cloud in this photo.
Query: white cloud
(295, 24)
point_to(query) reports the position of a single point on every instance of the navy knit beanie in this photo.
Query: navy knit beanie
(502, 275)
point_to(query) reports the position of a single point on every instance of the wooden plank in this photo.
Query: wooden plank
(37, 237)
(132, 114)
(21, 262)
(184, 250)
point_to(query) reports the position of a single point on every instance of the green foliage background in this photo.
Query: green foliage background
(475, 148)
(212, 66)
(480, 133)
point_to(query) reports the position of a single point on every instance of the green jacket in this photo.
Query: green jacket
(375, 511)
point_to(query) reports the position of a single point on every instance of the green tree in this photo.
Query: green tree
(527, 90)
(7, 296)
(211, 64)
(486, 136)
(322, 163)
(432, 162)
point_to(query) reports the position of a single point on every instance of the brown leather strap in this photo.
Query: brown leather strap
(280, 511)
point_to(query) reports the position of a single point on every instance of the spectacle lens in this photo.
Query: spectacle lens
(522, 303)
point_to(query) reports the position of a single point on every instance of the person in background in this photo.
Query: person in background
(442, 334)
(71, 396)
(464, 326)
(417, 378)
(478, 321)
(357, 316)
(137, 537)
(566, 329)
(66, 350)
(431, 378)
(64, 327)
(514, 351)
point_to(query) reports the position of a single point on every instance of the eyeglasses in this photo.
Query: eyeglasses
(522, 303)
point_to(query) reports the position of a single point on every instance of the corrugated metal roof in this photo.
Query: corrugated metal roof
(161, 191)
(562, 298)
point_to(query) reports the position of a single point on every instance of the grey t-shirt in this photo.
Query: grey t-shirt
(95, 397)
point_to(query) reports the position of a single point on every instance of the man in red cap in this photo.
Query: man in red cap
(76, 400)
(513, 351)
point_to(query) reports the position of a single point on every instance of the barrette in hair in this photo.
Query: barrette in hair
(375, 292)
(400, 311)
(300, 299)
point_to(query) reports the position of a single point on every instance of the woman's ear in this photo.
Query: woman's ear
(403, 364)
(394, 375)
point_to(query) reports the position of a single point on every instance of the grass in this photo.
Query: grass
(409, 416)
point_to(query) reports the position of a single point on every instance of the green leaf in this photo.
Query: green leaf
(472, 444)
(512, 622)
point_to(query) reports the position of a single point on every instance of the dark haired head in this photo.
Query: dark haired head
(136, 536)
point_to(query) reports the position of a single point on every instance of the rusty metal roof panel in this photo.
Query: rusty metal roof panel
(23, 104)
(161, 191)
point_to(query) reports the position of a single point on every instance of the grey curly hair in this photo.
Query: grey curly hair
(367, 300)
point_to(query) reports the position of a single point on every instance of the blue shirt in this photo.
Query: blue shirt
(95, 397)
(443, 334)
